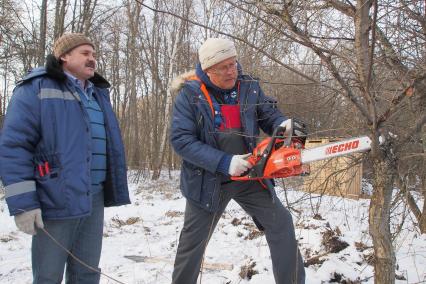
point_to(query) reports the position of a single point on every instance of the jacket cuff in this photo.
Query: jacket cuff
(223, 166)
(21, 197)
(23, 202)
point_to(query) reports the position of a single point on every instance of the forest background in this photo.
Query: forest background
(345, 67)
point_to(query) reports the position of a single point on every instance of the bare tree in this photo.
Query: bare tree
(60, 10)
(42, 35)
(176, 33)
(133, 16)
(18, 47)
(82, 15)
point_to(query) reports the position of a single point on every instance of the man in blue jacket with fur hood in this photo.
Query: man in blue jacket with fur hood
(216, 120)
(62, 160)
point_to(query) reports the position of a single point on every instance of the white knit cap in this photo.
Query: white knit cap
(215, 50)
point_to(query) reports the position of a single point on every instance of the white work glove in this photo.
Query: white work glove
(288, 124)
(25, 221)
(239, 164)
(295, 127)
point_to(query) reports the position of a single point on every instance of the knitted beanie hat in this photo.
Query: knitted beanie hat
(67, 42)
(215, 50)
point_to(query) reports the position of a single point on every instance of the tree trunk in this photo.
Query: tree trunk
(422, 222)
(167, 109)
(59, 18)
(362, 30)
(133, 12)
(42, 42)
(379, 220)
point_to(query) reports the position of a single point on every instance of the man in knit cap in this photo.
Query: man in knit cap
(217, 117)
(62, 161)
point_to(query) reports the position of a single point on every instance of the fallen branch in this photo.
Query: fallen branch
(154, 259)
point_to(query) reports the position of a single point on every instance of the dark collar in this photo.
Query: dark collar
(54, 71)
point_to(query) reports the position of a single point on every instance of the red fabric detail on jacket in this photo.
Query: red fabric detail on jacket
(230, 116)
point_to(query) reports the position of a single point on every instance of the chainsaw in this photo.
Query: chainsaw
(281, 157)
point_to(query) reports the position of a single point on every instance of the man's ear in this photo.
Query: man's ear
(62, 58)
(54, 69)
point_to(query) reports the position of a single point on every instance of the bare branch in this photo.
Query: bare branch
(412, 131)
(287, 18)
(347, 9)
(396, 101)
(234, 37)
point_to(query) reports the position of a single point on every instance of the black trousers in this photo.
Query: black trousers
(270, 214)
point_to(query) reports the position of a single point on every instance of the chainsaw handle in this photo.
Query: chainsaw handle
(278, 132)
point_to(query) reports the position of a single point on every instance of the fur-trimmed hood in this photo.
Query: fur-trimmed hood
(178, 82)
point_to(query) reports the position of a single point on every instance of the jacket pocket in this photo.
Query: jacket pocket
(192, 180)
(50, 181)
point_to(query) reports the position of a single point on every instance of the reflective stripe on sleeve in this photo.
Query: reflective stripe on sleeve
(57, 94)
(19, 188)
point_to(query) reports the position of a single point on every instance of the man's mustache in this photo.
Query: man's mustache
(91, 64)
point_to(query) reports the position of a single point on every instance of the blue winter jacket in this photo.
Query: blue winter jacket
(46, 121)
(194, 138)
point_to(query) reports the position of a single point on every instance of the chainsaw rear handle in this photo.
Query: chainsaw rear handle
(279, 132)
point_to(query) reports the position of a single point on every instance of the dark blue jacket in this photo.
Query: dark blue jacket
(194, 138)
(46, 121)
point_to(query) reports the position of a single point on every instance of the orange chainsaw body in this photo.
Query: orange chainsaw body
(282, 161)
(280, 157)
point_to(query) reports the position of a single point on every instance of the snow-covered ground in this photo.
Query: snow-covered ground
(150, 227)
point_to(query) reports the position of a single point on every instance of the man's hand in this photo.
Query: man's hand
(295, 127)
(288, 124)
(25, 221)
(239, 164)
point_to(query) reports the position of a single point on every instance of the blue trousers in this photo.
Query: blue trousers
(268, 214)
(81, 236)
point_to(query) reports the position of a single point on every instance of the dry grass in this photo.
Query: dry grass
(247, 271)
(332, 242)
(173, 214)
(7, 238)
(118, 223)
